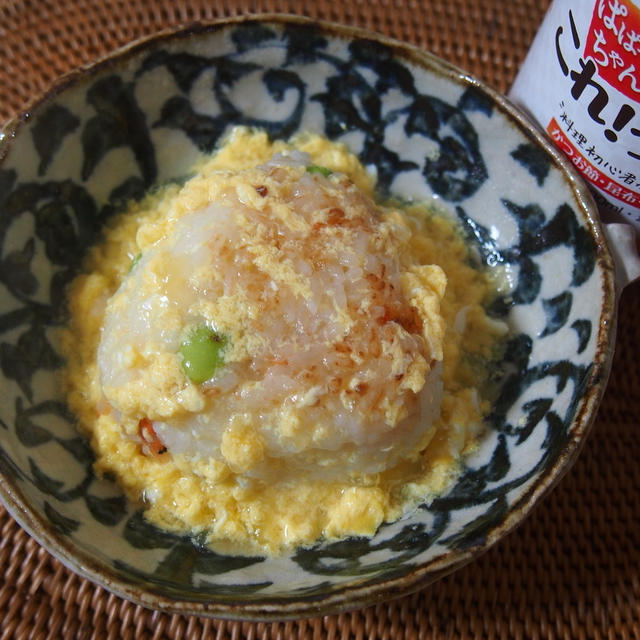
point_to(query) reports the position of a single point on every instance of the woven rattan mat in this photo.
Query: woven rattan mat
(571, 571)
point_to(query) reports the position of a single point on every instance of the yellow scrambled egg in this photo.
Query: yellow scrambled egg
(207, 496)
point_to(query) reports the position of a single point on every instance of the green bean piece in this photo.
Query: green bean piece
(202, 353)
(315, 168)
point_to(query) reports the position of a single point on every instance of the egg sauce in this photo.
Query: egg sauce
(271, 475)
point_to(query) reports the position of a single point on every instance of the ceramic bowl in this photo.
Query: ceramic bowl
(111, 131)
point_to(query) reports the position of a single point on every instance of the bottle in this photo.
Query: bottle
(581, 82)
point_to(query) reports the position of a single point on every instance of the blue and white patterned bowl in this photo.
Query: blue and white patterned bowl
(110, 132)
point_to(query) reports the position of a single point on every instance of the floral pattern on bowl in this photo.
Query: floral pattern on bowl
(142, 117)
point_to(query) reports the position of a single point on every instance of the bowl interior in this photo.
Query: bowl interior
(142, 118)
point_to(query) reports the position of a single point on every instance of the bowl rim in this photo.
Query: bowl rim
(355, 595)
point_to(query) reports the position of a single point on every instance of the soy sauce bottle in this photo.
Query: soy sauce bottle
(581, 82)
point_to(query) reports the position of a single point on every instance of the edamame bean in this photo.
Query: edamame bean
(202, 353)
